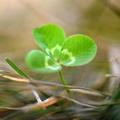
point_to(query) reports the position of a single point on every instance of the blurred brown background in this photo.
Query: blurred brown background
(99, 19)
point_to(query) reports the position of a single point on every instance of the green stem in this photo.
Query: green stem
(64, 82)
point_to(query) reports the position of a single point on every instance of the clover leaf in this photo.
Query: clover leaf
(57, 50)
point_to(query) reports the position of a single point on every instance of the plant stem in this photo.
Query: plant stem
(64, 82)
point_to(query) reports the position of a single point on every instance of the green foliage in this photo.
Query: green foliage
(57, 50)
(17, 70)
(111, 112)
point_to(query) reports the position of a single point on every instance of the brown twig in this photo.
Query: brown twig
(81, 89)
(42, 105)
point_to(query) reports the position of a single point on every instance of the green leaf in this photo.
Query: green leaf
(78, 50)
(49, 36)
(14, 66)
(40, 62)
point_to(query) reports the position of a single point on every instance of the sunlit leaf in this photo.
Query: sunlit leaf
(57, 50)
(40, 62)
(49, 36)
(78, 50)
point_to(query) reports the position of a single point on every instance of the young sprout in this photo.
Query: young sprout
(57, 50)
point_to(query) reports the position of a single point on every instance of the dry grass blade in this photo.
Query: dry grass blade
(87, 92)
(79, 103)
(44, 104)
(72, 88)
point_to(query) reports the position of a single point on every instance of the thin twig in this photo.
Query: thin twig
(37, 82)
(44, 104)
(79, 103)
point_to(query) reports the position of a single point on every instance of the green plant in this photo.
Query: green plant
(57, 50)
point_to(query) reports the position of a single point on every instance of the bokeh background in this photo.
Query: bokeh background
(99, 19)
